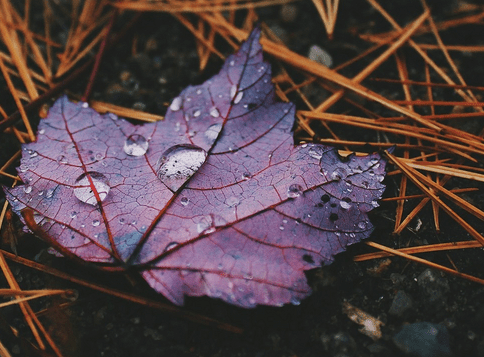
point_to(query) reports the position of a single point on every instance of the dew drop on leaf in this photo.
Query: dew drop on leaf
(338, 174)
(214, 112)
(316, 152)
(294, 190)
(96, 223)
(344, 205)
(362, 225)
(238, 97)
(136, 145)
(233, 91)
(184, 201)
(176, 104)
(179, 163)
(212, 132)
(197, 113)
(85, 192)
(27, 189)
(61, 159)
(49, 193)
(232, 201)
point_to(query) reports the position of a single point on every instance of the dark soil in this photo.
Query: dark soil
(97, 324)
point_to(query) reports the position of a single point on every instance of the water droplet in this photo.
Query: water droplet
(27, 189)
(33, 153)
(49, 193)
(362, 225)
(41, 193)
(295, 301)
(99, 156)
(214, 112)
(197, 113)
(170, 246)
(179, 163)
(238, 97)
(220, 266)
(87, 240)
(212, 132)
(199, 91)
(73, 214)
(246, 176)
(85, 104)
(85, 192)
(232, 63)
(121, 221)
(233, 91)
(176, 104)
(113, 116)
(284, 221)
(338, 174)
(294, 191)
(96, 223)
(23, 168)
(352, 235)
(184, 201)
(61, 159)
(281, 228)
(374, 204)
(41, 131)
(316, 152)
(136, 145)
(304, 145)
(232, 201)
(344, 205)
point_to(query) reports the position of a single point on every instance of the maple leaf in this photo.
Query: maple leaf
(215, 200)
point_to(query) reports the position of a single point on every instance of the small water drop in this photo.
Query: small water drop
(238, 97)
(96, 223)
(85, 192)
(61, 159)
(284, 221)
(214, 112)
(232, 201)
(73, 214)
(176, 104)
(294, 190)
(304, 145)
(179, 163)
(49, 193)
(362, 225)
(197, 113)
(316, 152)
(33, 153)
(99, 156)
(374, 204)
(136, 145)
(27, 189)
(281, 228)
(113, 116)
(41, 131)
(184, 201)
(233, 91)
(85, 104)
(338, 174)
(344, 205)
(170, 246)
(199, 91)
(24, 167)
(212, 132)
(246, 176)
(41, 193)
(295, 301)
(121, 221)
(232, 63)
(220, 266)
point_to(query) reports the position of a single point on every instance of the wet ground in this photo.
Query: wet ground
(395, 292)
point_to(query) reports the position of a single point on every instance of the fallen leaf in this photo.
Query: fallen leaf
(215, 200)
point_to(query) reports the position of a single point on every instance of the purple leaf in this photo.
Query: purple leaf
(215, 200)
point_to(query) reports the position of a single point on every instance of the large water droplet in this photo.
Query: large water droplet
(214, 112)
(176, 104)
(179, 163)
(84, 191)
(136, 145)
(294, 190)
(212, 132)
(238, 97)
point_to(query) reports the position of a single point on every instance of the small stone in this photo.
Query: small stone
(401, 303)
(317, 54)
(423, 339)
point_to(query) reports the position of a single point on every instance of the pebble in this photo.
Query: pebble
(423, 339)
(401, 303)
(433, 285)
(317, 54)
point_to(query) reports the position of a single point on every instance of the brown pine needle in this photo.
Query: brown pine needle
(425, 262)
(103, 107)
